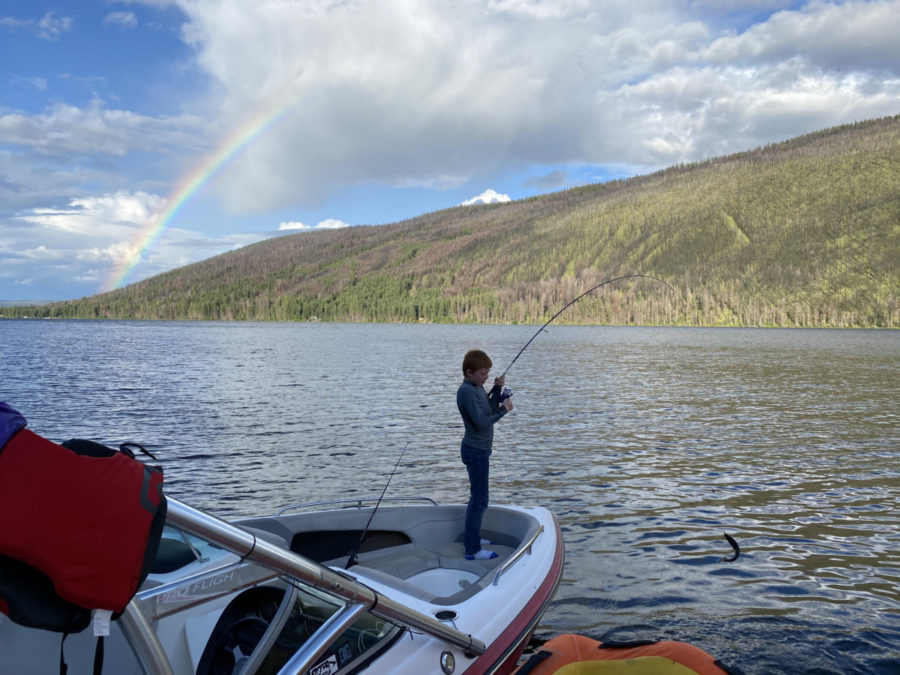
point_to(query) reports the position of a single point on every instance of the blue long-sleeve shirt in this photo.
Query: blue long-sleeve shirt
(479, 413)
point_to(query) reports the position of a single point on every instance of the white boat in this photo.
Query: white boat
(272, 595)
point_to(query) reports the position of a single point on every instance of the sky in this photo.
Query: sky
(138, 136)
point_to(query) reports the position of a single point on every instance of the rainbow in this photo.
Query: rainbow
(235, 143)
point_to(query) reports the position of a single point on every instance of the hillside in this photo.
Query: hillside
(800, 233)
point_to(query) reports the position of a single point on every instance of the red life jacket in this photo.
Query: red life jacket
(77, 531)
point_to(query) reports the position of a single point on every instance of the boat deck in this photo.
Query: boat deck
(422, 557)
(440, 577)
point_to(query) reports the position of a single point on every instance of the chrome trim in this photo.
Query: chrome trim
(448, 663)
(349, 500)
(523, 549)
(143, 641)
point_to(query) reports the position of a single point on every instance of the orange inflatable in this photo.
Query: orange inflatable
(571, 654)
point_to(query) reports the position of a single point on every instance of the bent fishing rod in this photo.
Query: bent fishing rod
(353, 555)
(572, 302)
(506, 393)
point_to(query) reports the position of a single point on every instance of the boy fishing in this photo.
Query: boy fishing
(479, 411)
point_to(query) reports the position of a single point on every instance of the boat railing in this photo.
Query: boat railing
(350, 502)
(144, 643)
(523, 549)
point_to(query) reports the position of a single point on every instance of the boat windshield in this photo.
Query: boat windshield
(268, 626)
(309, 612)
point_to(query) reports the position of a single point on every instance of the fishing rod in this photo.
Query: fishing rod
(352, 559)
(507, 393)
(572, 302)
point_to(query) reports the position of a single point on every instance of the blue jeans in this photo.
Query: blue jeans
(477, 464)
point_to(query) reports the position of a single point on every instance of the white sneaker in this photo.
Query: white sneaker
(483, 554)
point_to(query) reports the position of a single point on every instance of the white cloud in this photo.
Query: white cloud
(293, 225)
(539, 9)
(487, 197)
(11, 22)
(35, 83)
(857, 36)
(331, 224)
(120, 19)
(97, 130)
(427, 94)
(105, 215)
(424, 95)
(85, 241)
(50, 27)
(79, 243)
(327, 224)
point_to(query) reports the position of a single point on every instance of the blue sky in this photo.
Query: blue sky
(392, 109)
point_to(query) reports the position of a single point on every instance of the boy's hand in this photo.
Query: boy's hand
(500, 381)
(508, 404)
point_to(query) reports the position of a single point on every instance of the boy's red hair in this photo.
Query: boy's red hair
(475, 359)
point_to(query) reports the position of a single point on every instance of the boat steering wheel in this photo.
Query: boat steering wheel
(235, 645)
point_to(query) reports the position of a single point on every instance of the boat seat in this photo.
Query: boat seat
(414, 561)
(371, 573)
(404, 564)
(396, 568)
(452, 557)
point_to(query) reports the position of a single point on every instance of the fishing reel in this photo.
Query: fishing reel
(505, 394)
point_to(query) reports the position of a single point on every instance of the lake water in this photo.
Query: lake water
(647, 443)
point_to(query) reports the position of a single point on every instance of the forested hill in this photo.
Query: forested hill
(801, 233)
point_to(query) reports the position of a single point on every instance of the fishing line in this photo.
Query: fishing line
(506, 391)
(572, 302)
(352, 559)
(734, 545)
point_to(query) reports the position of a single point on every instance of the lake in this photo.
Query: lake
(649, 444)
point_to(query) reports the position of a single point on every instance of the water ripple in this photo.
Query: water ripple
(648, 444)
